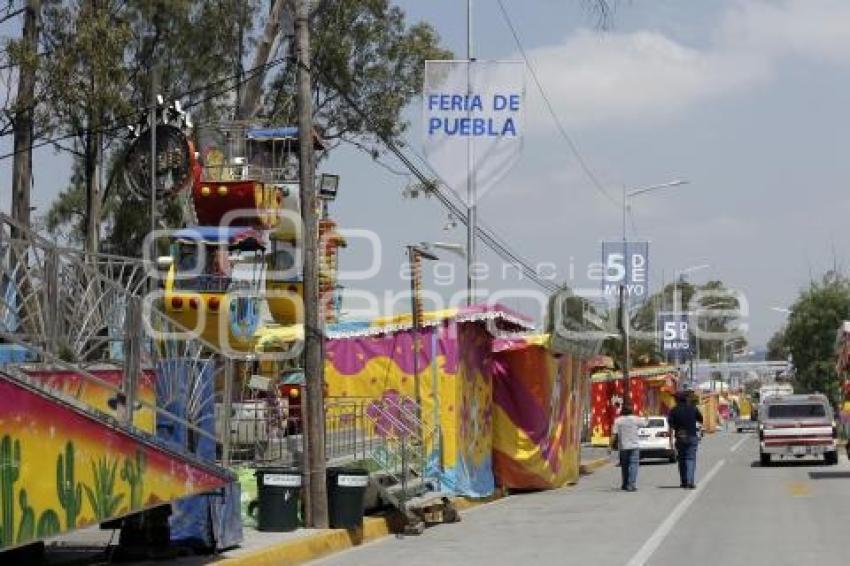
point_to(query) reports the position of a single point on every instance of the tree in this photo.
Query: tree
(26, 51)
(100, 79)
(810, 335)
(364, 53)
(376, 57)
(715, 304)
(86, 82)
(777, 348)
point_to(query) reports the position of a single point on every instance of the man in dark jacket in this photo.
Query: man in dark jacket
(683, 419)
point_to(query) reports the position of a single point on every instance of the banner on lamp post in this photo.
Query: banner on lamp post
(473, 122)
(674, 334)
(626, 264)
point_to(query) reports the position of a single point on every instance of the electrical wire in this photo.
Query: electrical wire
(118, 126)
(594, 180)
(438, 189)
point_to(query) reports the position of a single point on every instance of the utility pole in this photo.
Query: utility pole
(624, 317)
(317, 496)
(472, 209)
(23, 119)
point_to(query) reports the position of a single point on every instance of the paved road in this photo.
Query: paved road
(794, 513)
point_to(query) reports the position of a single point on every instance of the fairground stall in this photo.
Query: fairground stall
(445, 367)
(842, 368)
(651, 392)
(537, 412)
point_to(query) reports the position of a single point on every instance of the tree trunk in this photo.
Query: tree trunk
(253, 89)
(92, 159)
(23, 124)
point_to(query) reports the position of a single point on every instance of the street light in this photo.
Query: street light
(456, 249)
(623, 299)
(676, 306)
(416, 254)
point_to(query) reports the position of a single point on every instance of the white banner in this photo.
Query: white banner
(473, 122)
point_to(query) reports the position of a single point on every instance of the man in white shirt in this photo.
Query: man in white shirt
(625, 435)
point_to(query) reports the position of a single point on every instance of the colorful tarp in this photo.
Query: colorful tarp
(651, 392)
(456, 385)
(537, 415)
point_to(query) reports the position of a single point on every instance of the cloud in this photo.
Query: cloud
(617, 78)
(594, 78)
(816, 29)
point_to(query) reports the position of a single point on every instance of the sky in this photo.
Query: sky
(743, 98)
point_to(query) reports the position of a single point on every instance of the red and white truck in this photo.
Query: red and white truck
(797, 426)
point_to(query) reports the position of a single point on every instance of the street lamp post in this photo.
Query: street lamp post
(676, 306)
(623, 294)
(416, 254)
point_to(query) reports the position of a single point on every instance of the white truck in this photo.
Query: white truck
(775, 390)
(797, 426)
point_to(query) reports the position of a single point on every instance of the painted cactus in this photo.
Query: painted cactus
(133, 473)
(102, 498)
(70, 493)
(26, 528)
(48, 524)
(10, 468)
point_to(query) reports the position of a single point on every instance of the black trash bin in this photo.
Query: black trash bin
(346, 494)
(278, 499)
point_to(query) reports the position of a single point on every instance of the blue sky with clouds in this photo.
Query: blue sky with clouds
(744, 98)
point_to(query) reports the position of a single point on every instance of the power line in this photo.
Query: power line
(567, 138)
(486, 236)
(115, 126)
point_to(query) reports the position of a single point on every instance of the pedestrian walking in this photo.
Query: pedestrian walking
(683, 420)
(625, 439)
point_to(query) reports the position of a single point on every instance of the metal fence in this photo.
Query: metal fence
(71, 311)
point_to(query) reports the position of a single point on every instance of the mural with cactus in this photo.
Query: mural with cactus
(133, 473)
(10, 468)
(26, 528)
(70, 494)
(102, 498)
(48, 524)
(117, 473)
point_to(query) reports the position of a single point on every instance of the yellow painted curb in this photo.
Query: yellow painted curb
(313, 546)
(323, 543)
(464, 503)
(587, 468)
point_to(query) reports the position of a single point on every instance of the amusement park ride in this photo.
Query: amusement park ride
(114, 371)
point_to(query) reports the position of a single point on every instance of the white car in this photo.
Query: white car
(656, 439)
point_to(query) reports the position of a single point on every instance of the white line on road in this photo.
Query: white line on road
(738, 444)
(655, 540)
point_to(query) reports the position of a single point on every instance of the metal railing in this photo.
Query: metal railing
(225, 173)
(72, 310)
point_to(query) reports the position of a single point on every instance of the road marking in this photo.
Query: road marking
(799, 489)
(738, 444)
(656, 538)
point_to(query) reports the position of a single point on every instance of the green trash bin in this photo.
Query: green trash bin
(278, 499)
(346, 495)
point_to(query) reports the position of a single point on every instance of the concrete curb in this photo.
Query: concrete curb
(314, 546)
(326, 542)
(587, 468)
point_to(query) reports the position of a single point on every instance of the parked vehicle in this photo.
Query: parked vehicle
(797, 426)
(775, 390)
(656, 439)
(747, 423)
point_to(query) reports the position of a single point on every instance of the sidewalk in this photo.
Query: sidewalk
(296, 547)
(593, 458)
